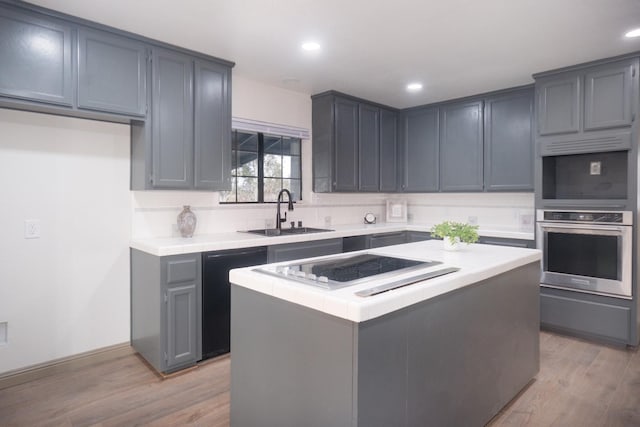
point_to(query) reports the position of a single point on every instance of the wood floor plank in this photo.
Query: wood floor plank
(579, 384)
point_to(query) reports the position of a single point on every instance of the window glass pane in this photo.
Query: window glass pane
(245, 141)
(272, 144)
(272, 187)
(272, 166)
(229, 196)
(247, 164)
(293, 185)
(291, 167)
(291, 146)
(247, 189)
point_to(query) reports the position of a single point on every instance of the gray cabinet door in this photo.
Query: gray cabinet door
(386, 239)
(182, 317)
(35, 58)
(112, 73)
(388, 150)
(461, 152)
(368, 148)
(559, 100)
(172, 120)
(345, 164)
(420, 133)
(290, 251)
(607, 97)
(212, 126)
(508, 142)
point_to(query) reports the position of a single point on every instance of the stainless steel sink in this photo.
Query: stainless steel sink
(287, 231)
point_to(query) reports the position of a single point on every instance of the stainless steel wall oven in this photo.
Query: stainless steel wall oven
(586, 251)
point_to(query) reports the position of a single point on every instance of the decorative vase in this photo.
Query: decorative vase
(449, 246)
(187, 222)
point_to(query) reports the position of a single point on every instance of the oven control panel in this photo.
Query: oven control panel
(583, 216)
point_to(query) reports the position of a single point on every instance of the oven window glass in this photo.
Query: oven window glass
(583, 254)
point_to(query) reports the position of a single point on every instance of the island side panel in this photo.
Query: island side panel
(472, 350)
(290, 366)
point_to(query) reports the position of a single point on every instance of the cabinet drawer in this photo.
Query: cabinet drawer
(587, 317)
(182, 270)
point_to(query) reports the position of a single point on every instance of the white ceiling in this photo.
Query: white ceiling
(373, 48)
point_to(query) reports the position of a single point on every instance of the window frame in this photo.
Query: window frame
(260, 177)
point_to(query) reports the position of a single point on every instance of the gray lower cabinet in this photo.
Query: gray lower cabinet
(590, 316)
(386, 239)
(185, 144)
(417, 236)
(35, 57)
(508, 142)
(166, 309)
(291, 251)
(419, 163)
(461, 147)
(411, 367)
(112, 73)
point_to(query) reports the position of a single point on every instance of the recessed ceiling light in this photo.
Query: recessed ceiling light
(310, 46)
(633, 33)
(414, 87)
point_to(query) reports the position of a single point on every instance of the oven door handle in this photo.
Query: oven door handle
(564, 227)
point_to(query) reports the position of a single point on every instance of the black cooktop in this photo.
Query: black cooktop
(360, 266)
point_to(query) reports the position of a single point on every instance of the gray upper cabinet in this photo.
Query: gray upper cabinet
(420, 147)
(212, 126)
(35, 58)
(368, 148)
(461, 147)
(559, 104)
(185, 142)
(112, 73)
(607, 101)
(587, 102)
(172, 120)
(346, 145)
(508, 142)
(388, 150)
(354, 145)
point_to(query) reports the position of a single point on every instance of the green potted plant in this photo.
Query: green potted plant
(454, 233)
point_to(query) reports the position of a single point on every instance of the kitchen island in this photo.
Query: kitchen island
(452, 350)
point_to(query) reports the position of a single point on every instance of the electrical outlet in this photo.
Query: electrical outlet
(327, 221)
(472, 220)
(595, 168)
(31, 228)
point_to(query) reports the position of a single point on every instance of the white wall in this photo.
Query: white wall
(67, 292)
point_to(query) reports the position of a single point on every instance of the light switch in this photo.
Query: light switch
(595, 168)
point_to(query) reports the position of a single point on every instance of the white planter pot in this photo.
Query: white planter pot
(448, 246)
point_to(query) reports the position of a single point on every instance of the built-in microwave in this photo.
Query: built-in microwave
(586, 251)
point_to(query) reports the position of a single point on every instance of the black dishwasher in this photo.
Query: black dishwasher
(216, 295)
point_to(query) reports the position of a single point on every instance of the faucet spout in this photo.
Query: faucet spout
(279, 219)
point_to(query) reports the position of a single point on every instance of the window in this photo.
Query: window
(262, 165)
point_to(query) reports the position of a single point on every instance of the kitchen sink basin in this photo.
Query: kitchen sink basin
(287, 231)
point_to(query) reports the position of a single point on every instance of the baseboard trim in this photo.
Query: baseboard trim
(65, 364)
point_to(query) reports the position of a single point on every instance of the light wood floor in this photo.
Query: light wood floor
(579, 384)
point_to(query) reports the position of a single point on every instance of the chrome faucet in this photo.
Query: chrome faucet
(280, 220)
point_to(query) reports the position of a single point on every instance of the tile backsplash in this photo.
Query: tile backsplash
(155, 212)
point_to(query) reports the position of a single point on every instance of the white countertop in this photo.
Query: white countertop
(476, 262)
(163, 246)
